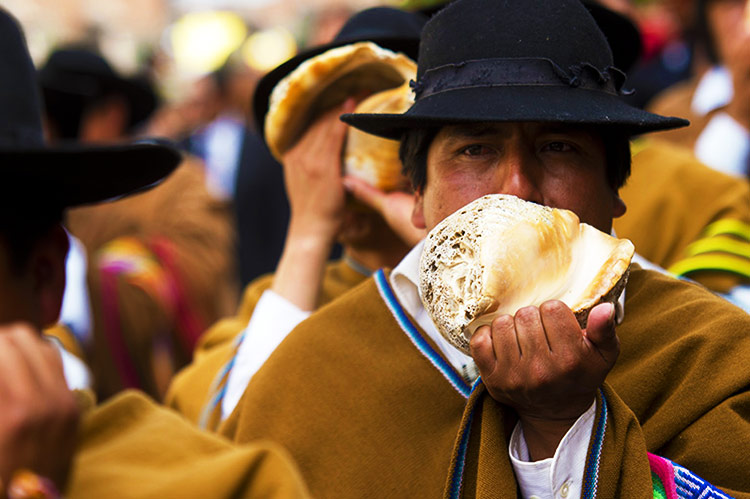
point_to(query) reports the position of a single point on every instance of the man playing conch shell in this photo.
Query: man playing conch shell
(513, 97)
(297, 107)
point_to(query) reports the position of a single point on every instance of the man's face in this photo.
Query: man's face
(553, 165)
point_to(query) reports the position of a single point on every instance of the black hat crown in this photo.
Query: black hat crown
(560, 30)
(382, 23)
(515, 61)
(20, 118)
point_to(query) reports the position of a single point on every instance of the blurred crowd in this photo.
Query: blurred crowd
(166, 288)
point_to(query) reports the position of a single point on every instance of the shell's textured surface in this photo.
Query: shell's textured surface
(325, 81)
(499, 253)
(374, 159)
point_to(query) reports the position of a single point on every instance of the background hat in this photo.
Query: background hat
(67, 175)
(509, 61)
(390, 28)
(81, 76)
(622, 34)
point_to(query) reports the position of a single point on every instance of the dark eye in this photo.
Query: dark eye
(557, 147)
(474, 150)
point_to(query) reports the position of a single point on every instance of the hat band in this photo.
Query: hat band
(520, 72)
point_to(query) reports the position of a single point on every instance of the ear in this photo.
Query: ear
(417, 213)
(618, 207)
(47, 266)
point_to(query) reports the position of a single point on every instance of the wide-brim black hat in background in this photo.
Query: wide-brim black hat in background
(515, 61)
(622, 34)
(67, 175)
(77, 72)
(388, 27)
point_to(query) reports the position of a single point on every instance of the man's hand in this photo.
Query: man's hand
(544, 366)
(313, 175)
(39, 416)
(395, 208)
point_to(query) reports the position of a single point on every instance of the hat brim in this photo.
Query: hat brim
(409, 46)
(74, 175)
(516, 104)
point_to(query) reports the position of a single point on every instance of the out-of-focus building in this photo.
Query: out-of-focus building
(126, 30)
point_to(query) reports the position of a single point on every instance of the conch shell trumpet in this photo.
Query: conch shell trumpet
(500, 253)
(328, 79)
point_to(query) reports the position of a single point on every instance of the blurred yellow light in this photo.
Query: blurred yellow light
(202, 41)
(266, 49)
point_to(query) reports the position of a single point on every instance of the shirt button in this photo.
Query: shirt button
(565, 489)
(534, 497)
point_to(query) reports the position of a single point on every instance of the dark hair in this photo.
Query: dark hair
(415, 143)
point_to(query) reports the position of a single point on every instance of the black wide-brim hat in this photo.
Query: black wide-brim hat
(388, 27)
(66, 175)
(515, 61)
(79, 72)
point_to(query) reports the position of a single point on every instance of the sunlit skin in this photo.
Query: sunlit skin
(549, 165)
(539, 361)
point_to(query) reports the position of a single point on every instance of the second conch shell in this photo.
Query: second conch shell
(500, 253)
(375, 159)
(361, 69)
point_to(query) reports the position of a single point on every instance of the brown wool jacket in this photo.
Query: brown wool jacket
(365, 413)
(676, 101)
(131, 447)
(190, 389)
(198, 231)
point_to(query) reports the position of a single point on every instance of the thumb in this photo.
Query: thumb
(600, 331)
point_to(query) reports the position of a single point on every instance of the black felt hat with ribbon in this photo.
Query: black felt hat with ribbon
(66, 175)
(515, 61)
(388, 27)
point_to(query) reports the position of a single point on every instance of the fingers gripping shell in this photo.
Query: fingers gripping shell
(500, 253)
(328, 79)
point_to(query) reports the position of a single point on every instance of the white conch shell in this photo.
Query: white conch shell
(326, 80)
(499, 253)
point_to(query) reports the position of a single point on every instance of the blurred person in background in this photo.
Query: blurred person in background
(161, 264)
(670, 52)
(241, 171)
(682, 215)
(322, 213)
(716, 100)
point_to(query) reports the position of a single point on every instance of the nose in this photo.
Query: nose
(518, 176)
